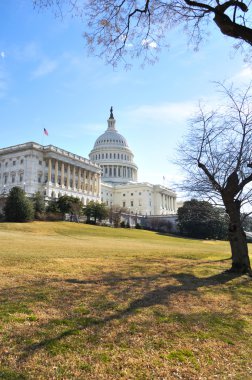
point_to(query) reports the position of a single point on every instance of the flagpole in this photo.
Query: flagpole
(45, 132)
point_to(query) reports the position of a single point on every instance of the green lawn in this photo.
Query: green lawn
(87, 302)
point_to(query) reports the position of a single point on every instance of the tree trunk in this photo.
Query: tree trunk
(237, 239)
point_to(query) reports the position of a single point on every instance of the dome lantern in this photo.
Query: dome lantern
(111, 121)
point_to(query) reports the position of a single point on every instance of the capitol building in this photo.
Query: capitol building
(108, 176)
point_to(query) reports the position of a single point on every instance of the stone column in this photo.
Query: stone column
(74, 183)
(68, 176)
(56, 168)
(79, 178)
(94, 184)
(62, 174)
(89, 181)
(98, 184)
(84, 180)
(49, 170)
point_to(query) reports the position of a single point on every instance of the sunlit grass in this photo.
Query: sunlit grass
(87, 302)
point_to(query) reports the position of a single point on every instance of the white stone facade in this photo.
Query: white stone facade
(140, 198)
(49, 170)
(119, 177)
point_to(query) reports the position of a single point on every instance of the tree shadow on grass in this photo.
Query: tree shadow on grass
(158, 296)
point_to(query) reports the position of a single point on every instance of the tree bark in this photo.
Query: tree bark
(237, 239)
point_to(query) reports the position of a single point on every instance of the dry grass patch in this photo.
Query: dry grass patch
(86, 302)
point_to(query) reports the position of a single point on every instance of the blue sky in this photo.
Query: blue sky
(47, 80)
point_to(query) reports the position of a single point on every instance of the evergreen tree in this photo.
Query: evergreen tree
(18, 207)
(200, 219)
(96, 211)
(38, 204)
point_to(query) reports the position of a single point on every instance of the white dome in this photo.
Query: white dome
(111, 138)
(112, 153)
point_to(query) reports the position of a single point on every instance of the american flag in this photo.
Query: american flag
(45, 132)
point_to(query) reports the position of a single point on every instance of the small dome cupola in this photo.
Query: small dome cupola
(111, 121)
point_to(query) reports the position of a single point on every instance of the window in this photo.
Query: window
(13, 178)
(123, 195)
(6, 164)
(40, 162)
(21, 161)
(124, 204)
(21, 177)
(5, 178)
(13, 163)
(140, 193)
(132, 194)
(131, 203)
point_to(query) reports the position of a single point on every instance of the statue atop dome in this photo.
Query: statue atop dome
(111, 113)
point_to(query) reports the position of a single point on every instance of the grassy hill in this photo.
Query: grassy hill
(87, 302)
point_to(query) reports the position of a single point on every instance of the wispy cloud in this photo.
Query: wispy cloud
(47, 66)
(163, 113)
(2, 54)
(27, 52)
(150, 44)
(244, 75)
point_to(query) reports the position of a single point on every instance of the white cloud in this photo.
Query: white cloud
(2, 54)
(46, 67)
(148, 43)
(28, 52)
(245, 74)
(164, 113)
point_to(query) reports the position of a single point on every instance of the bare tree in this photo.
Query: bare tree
(217, 158)
(135, 27)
